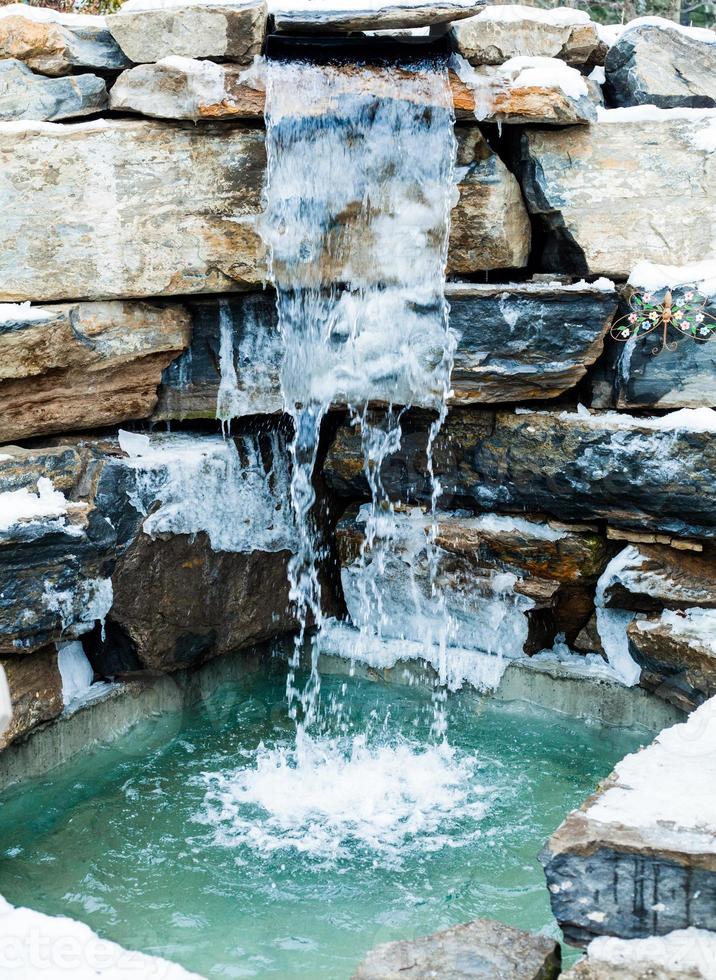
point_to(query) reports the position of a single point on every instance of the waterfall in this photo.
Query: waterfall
(358, 197)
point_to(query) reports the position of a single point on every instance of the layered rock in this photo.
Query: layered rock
(24, 95)
(128, 208)
(480, 948)
(54, 43)
(641, 473)
(364, 15)
(501, 32)
(83, 365)
(639, 857)
(35, 691)
(657, 62)
(677, 651)
(600, 219)
(685, 954)
(508, 585)
(149, 30)
(179, 207)
(655, 577)
(564, 327)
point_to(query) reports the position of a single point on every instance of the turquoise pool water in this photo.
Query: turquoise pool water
(212, 839)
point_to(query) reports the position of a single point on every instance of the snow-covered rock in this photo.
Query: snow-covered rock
(55, 43)
(685, 954)
(505, 31)
(149, 30)
(657, 62)
(639, 857)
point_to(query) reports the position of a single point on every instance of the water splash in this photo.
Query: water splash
(358, 198)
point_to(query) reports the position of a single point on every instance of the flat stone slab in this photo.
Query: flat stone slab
(83, 365)
(657, 62)
(179, 207)
(639, 857)
(25, 95)
(338, 16)
(564, 327)
(54, 43)
(647, 474)
(500, 32)
(149, 30)
(685, 954)
(482, 949)
(599, 219)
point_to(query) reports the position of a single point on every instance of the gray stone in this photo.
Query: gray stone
(600, 218)
(83, 365)
(639, 857)
(499, 33)
(149, 30)
(366, 15)
(187, 88)
(634, 473)
(55, 43)
(482, 949)
(24, 95)
(662, 64)
(685, 954)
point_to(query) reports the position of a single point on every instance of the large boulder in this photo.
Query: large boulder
(83, 365)
(124, 208)
(179, 210)
(366, 15)
(581, 183)
(474, 951)
(657, 62)
(55, 43)
(149, 30)
(35, 692)
(504, 31)
(647, 474)
(25, 95)
(639, 857)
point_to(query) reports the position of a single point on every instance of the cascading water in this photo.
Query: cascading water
(359, 192)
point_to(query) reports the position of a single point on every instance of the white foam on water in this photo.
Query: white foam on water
(325, 796)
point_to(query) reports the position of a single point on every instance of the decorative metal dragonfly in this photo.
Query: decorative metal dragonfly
(688, 316)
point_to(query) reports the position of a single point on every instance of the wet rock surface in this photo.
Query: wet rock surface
(571, 465)
(478, 949)
(83, 365)
(367, 16)
(25, 95)
(581, 184)
(659, 63)
(148, 32)
(639, 857)
(35, 691)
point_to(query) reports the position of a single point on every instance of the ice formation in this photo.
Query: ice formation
(75, 670)
(225, 488)
(24, 507)
(612, 623)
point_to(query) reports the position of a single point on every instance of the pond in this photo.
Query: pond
(212, 838)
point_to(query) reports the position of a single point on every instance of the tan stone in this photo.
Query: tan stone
(84, 365)
(624, 190)
(148, 31)
(35, 690)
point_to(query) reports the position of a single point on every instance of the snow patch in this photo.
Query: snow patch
(653, 277)
(696, 33)
(25, 507)
(45, 15)
(23, 312)
(499, 523)
(652, 113)
(545, 73)
(684, 952)
(514, 13)
(36, 940)
(695, 624)
(683, 420)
